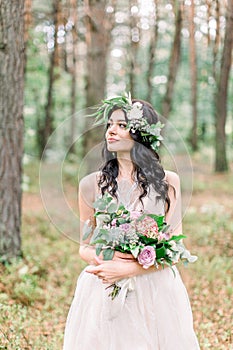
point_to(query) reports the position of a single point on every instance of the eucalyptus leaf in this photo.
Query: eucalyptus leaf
(177, 238)
(95, 234)
(108, 254)
(112, 208)
(87, 229)
(99, 249)
(135, 251)
(103, 217)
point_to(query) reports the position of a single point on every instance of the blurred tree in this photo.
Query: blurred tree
(27, 19)
(97, 40)
(46, 127)
(98, 33)
(152, 49)
(193, 74)
(216, 40)
(134, 45)
(73, 17)
(12, 59)
(174, 59)
(221, 163)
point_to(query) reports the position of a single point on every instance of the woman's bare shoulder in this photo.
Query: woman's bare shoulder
(89, 181)
(88, 187)
(173, 180)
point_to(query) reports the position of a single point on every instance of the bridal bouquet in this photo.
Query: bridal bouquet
(146, 236)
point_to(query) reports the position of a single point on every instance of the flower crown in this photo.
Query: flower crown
(136, 121)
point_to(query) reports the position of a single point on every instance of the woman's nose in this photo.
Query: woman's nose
(112, 128)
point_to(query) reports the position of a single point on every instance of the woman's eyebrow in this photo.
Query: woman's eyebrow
(118, 121)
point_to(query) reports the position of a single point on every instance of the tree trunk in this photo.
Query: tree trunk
(98, 33)
(209, 15)
(174, 60)
(217, 39)
(11, 129)
(221, 163)
(27, 25)
(97, 39)
(152, 48)
(193, 73)
(47, 129)
(27, 18)
(73, 71)
(133, 48)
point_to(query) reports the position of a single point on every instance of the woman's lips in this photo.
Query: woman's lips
(111, 140)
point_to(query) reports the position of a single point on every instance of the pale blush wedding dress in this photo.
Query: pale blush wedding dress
(154, 315)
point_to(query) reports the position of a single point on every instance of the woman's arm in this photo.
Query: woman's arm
(112, 271)
(174, 215)
(86, 197)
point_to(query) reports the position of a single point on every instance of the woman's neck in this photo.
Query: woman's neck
(125, 167)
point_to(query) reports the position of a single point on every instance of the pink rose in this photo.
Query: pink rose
(147, 257)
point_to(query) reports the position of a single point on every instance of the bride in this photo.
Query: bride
(155, 313)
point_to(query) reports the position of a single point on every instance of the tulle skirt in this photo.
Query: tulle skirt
(155, 314)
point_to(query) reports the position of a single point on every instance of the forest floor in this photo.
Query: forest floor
(36, 291)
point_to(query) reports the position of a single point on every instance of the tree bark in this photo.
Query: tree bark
(174, 60)
(217, 39)
(97, 39)
(221, 163)
(193, 73)
(98, 33)
(73, 70)
(12, 61)
(209, 14)
(47, 128)
(27, 18)
(133, 48)
(152, 49)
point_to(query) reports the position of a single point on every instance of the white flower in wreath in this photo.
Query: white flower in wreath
(136, 111)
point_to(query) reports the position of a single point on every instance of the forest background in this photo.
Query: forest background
(58, 59)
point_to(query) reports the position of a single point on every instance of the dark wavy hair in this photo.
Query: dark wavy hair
(146, 162)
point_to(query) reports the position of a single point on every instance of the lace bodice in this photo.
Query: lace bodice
(128, 194)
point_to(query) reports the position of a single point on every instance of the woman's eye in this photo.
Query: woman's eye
(109, 125)
(122, 125)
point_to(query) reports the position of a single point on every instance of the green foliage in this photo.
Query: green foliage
(36, 291)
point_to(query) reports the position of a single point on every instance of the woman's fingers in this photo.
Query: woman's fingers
(98, 260)
(123, 256)
(93, 269)
(97, 270)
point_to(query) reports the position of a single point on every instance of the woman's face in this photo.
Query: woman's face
(117, 136)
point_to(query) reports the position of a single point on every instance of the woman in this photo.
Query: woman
(154, 312)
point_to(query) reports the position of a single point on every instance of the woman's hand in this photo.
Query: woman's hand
(111, 271)
(118, 256)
